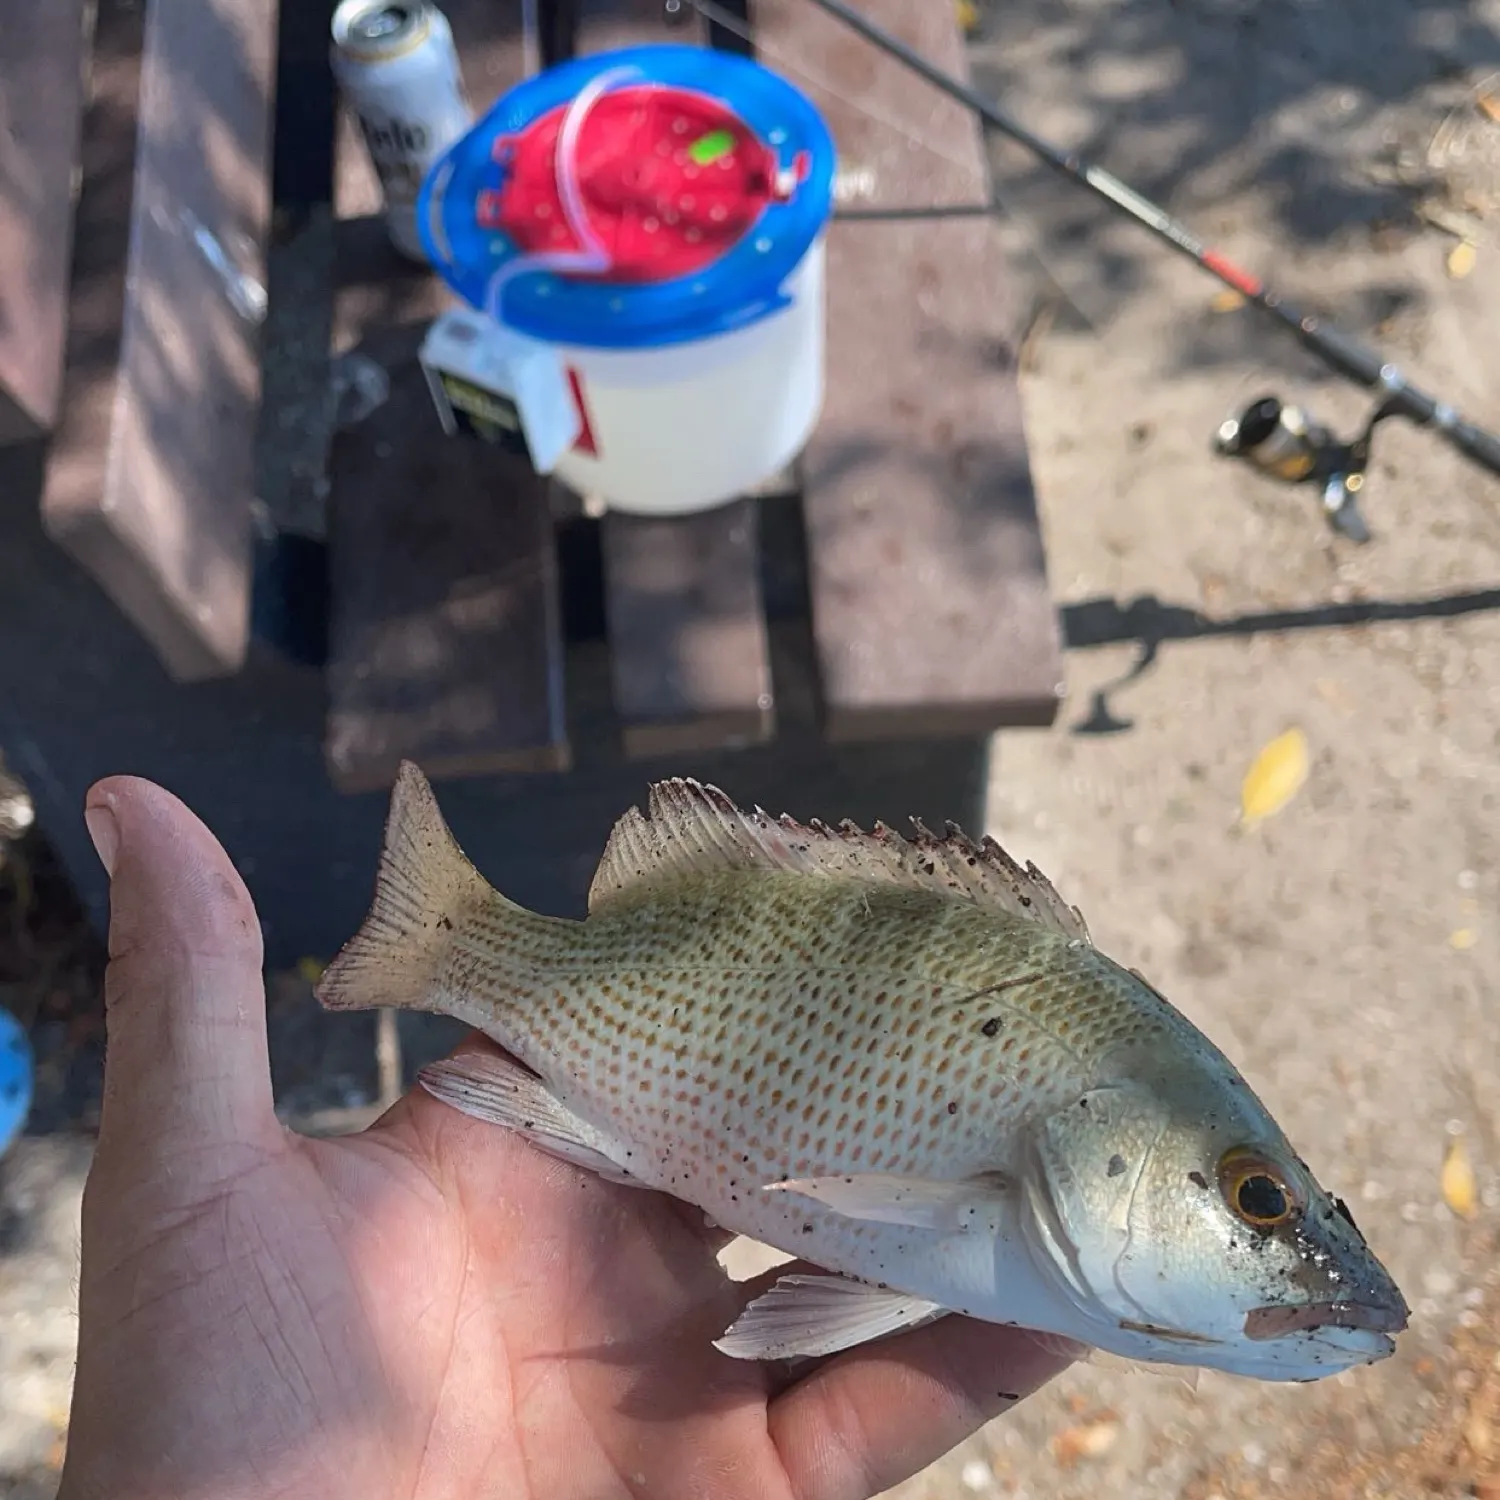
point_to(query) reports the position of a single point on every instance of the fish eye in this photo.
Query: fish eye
(1256, 1189)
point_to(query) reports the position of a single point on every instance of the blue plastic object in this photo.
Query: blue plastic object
(16, 1074)
(741, 287)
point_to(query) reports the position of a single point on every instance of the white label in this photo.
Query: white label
(485, 356)
(549, 414)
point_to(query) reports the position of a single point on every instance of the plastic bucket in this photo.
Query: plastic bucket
(655, 218)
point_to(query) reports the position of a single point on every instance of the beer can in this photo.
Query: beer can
(397, 69)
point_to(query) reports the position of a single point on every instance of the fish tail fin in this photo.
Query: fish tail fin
(425, 891)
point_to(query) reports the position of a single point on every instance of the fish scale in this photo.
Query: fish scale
(901, 1060)
(722, 987)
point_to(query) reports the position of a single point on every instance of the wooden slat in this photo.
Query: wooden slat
(445, 643)
(42, 61)
(927, 573)
(150, 478)
(687, 630)
(689, 655)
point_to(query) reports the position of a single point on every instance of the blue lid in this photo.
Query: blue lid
(15, 1079)
(738, 288)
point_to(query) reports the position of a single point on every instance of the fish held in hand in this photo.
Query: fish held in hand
(902, 1061)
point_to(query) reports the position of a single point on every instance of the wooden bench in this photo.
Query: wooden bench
(839, 645)
(929, 601)
(153, 403)
(41, 105)
(929, 589)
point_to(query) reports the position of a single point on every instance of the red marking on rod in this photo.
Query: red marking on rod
(585, 442)
(1241, 281)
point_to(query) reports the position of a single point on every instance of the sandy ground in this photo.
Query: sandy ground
(1347, 952)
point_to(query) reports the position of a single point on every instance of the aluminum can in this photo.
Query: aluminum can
(397, 69)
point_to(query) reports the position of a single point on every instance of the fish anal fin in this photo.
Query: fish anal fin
(971, 1204)
(690, 827)
(806, 1316)
(493, 1088)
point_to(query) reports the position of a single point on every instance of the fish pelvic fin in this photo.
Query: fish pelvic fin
(425, 892)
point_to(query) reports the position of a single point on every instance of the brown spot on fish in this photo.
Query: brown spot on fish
(1116, 1166)
(992, 1026)
(952, 1106)
(1198, 1179)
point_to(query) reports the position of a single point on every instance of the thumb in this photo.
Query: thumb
(185, 1011)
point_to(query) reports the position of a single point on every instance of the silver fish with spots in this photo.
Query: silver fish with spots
(901, 1060)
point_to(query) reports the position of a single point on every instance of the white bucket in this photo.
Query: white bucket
(646, 367)
(695, 425)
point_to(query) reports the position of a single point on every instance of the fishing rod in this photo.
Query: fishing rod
(1278, 438)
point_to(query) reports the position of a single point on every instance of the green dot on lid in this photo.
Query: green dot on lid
(709, 148)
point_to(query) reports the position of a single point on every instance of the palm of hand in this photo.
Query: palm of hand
(432, 1308)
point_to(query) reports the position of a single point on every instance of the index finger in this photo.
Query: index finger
(869, 1418)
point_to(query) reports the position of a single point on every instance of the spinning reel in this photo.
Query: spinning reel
(1283, 441)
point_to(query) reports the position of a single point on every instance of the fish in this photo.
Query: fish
(901, 1060)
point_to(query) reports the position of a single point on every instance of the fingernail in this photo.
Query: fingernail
(105, 832)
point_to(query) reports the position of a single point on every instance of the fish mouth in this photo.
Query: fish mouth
(1275, 1322)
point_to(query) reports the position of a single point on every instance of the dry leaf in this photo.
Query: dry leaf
(1274, 778)
(311, 969)
(968, 16)
(1227, 300)
(1088, 1440)
(1489, 106)
(1461, 259)
(1460, 1192)
(1479, 1435)
(1463, 938)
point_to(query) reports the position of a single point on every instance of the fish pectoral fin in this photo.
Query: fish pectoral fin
(803, 1316)
(918, 1202)
(495, 1089)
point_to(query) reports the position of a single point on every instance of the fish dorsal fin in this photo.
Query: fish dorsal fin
(690, 827)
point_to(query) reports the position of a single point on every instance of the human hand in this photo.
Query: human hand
(431, 1307)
